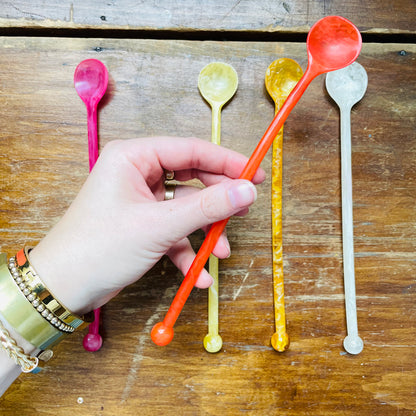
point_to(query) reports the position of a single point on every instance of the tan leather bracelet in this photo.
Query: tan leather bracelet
(21, 315)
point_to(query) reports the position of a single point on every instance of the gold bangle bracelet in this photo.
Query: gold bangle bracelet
(21, 315)
(28, 289)
(35, 285)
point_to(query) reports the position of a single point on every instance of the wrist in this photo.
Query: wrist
(60, 277)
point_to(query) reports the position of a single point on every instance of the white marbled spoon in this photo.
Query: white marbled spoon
(347, 86)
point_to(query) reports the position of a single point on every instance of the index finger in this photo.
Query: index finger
(176, 153)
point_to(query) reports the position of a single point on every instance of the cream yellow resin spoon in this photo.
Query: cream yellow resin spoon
(281, 77)
(217, 83)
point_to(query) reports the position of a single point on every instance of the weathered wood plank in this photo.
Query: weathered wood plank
(293, 16)
(153, 90)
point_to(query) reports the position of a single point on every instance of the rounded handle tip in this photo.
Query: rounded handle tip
(212, 343)
(92, 342)
(353, 344)
(280, 342)
(161, 334)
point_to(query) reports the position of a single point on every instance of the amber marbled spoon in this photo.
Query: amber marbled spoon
(281, 77)
(217, 83)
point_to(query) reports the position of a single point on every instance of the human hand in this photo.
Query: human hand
(118, 226)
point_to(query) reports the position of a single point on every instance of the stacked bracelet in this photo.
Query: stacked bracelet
(32, 311)
(24, 302)
(40, 296)
(26, 286)
(20, 314)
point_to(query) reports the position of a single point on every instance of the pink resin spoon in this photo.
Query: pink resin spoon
(333, 43)
(91, 80)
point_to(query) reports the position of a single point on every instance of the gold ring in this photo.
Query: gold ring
(169, 191)
(169, 175)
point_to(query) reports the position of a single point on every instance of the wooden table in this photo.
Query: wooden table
(154, 52)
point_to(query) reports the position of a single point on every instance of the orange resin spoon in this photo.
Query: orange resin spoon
(333, 43)
(281, 77)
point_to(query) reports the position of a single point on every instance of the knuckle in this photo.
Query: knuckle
(209, 208)
(113, 147)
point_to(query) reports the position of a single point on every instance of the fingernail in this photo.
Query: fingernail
(227, 246)
(242, 195)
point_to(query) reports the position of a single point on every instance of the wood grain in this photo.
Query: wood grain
(262, 16)
(153, 90)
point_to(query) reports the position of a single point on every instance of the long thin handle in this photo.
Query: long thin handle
(162, 332)
(213, 261)
(280, 339)
(95, 325)
(352, 342)
(213, 341)
(216, 123)
(93, 156)
(347, 222)
(213, 296)
(92, 135)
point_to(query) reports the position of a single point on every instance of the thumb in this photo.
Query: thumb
(214, 203)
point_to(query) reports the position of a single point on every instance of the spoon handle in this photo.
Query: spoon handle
(213, 303)
(213, 296)
(280, 340)
(213, 291)
(216, 123)
(95, 324)
(93, 156)
(347, 222)
(92, 135)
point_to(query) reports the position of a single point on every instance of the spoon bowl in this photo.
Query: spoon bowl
(348, 85)
(217, 83)
(91, 80)
(333, 43)
(281, 77)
